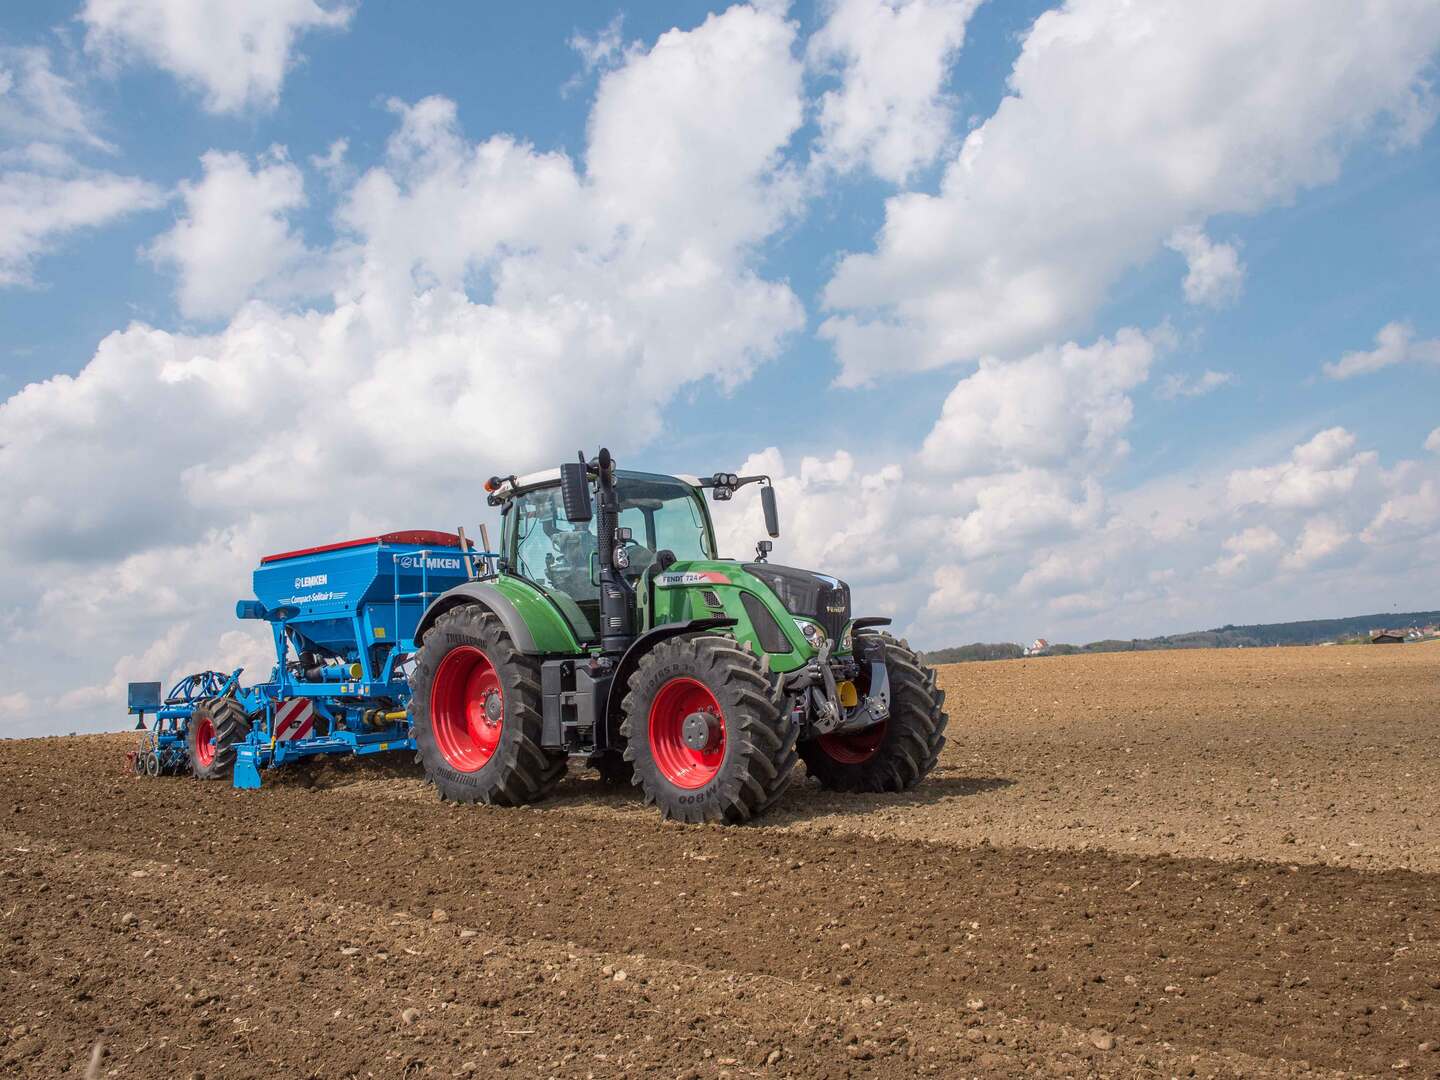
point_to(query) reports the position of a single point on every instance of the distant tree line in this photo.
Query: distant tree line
(1004, 650)
(1352, 629)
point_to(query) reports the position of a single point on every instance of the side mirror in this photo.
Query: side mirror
(762, 551)
(575, 490)
(772, 515)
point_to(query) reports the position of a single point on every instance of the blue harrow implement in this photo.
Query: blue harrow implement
(162, 750)
(343, 619)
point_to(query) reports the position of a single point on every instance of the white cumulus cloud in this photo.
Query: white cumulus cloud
(1394, 344)
(46, 193)
(1061, 405)
(889, 113)
(1322, 538)
(1124, 122)
(1178, 385)
(953, 594)
(1408, 515)
(1214, 274)
(235, 235)
(236, 52)
(602, 49)
(1318, 473)
(1246, 547)
(39, 104)
(38, 210)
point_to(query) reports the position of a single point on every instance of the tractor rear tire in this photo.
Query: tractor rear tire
(896, 754)
(705, 731)
(216, 728)
(477, 713)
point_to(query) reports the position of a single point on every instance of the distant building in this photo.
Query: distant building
(1037, 647)
(1387, 637)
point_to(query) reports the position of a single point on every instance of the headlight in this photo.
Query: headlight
(814, 635)
(847, 640)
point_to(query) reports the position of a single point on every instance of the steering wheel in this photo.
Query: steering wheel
(637, 565)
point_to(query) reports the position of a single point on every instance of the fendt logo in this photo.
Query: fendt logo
(692, 577)
(311, 581)
(412, 562)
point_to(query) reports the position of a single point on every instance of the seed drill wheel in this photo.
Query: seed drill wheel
(704, 732)
(896, 754)
(476, 713)
(216, 728)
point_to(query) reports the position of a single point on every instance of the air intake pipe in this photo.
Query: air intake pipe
(617, 596)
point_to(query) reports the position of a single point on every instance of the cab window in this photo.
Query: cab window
(560, 555)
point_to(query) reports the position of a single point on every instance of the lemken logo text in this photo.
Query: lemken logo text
(412, 562)
(311, 581)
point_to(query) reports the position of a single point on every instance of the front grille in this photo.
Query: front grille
(772, 638)
(809, 595)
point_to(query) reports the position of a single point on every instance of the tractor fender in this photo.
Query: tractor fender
(638, 648)
(489, 597)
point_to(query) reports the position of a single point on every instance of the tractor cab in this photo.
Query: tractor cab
(662, 519)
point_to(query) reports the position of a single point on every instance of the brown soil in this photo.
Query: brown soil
(1166, 864)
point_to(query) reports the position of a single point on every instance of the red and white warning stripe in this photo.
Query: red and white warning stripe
(294, 719)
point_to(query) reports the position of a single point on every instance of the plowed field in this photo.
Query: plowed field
(1159, 864)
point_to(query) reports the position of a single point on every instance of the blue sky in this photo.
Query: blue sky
(1037, 312)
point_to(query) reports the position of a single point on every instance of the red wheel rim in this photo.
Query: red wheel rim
(205, 742)
(467, 709)
(854, 747)
(682, 764)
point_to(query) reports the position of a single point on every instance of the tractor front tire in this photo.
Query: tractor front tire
(476, 713)
(897, 753)
(216, 728)
(705, 732)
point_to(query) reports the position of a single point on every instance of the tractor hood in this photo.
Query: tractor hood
(805, 593)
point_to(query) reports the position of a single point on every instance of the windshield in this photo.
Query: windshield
(661, 513)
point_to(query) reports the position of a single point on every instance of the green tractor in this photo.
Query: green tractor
(611, 630)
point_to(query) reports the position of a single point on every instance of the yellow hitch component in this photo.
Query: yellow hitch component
(354, 671)
(848, 695)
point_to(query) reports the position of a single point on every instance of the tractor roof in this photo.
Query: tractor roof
(546, 477)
